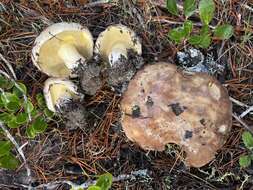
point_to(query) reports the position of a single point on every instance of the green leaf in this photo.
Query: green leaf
(9, 162)
(5, 83)
(206, 11)
(224, 32)
(7, 97)
(187, 27)
(94, 187)
(1, 103)
(204, 30)
(247, 139)
(245, 161)
(28, 106)
(39, 125)
(177, 34)
(20, 89)
(12, 107)
(5, 147)
(34, 113)
(202, 41)
(172, 6)
(4, 117)
(12, 123)
(205, 42)
(40, 100)
(30, 132)
(49, 114)
(180, 33)
(22, 118)
(195, 40)
(104, 181)
(189, 7)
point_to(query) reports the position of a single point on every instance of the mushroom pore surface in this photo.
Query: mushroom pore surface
(165, 105)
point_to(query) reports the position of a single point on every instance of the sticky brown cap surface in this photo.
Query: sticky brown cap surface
(164, 105)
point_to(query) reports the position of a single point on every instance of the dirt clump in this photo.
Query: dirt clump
(124, 69)
(90, 77)
(74, 114)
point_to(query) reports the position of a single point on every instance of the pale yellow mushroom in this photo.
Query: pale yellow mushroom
(115, 41)
(61, 47)
(59, 91)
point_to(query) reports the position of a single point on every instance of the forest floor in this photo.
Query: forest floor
(79, 155)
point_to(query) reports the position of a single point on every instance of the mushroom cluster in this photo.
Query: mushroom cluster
(161, 104)
(165, 105)
(65, 50)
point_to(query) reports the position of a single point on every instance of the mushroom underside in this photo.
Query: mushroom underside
(58, 91)
(62, 47)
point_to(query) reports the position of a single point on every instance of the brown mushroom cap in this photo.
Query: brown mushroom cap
(164, 105)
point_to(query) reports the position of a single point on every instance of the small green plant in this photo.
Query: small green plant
(17, 110)
(246, 160)
(7, 159)
(104, 182)
(206, 13)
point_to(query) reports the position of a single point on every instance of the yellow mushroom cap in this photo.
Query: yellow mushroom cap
(61, 47)
(114, 42)
(58, 91)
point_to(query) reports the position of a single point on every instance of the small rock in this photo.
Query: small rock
(194, 61)
(190, 58)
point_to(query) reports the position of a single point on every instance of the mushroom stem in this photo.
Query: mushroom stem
(69, 54)
(118, 50)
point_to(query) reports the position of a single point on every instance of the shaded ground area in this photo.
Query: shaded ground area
(80, 154)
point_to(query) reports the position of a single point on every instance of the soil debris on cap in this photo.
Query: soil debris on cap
(177, 109)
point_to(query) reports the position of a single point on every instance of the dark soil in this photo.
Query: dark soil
(123, 70)
(90, 78)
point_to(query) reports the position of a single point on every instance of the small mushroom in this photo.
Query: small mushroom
(115, 41)
(61, 47)
(165, 105)
(59, 92)
(114, 45)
